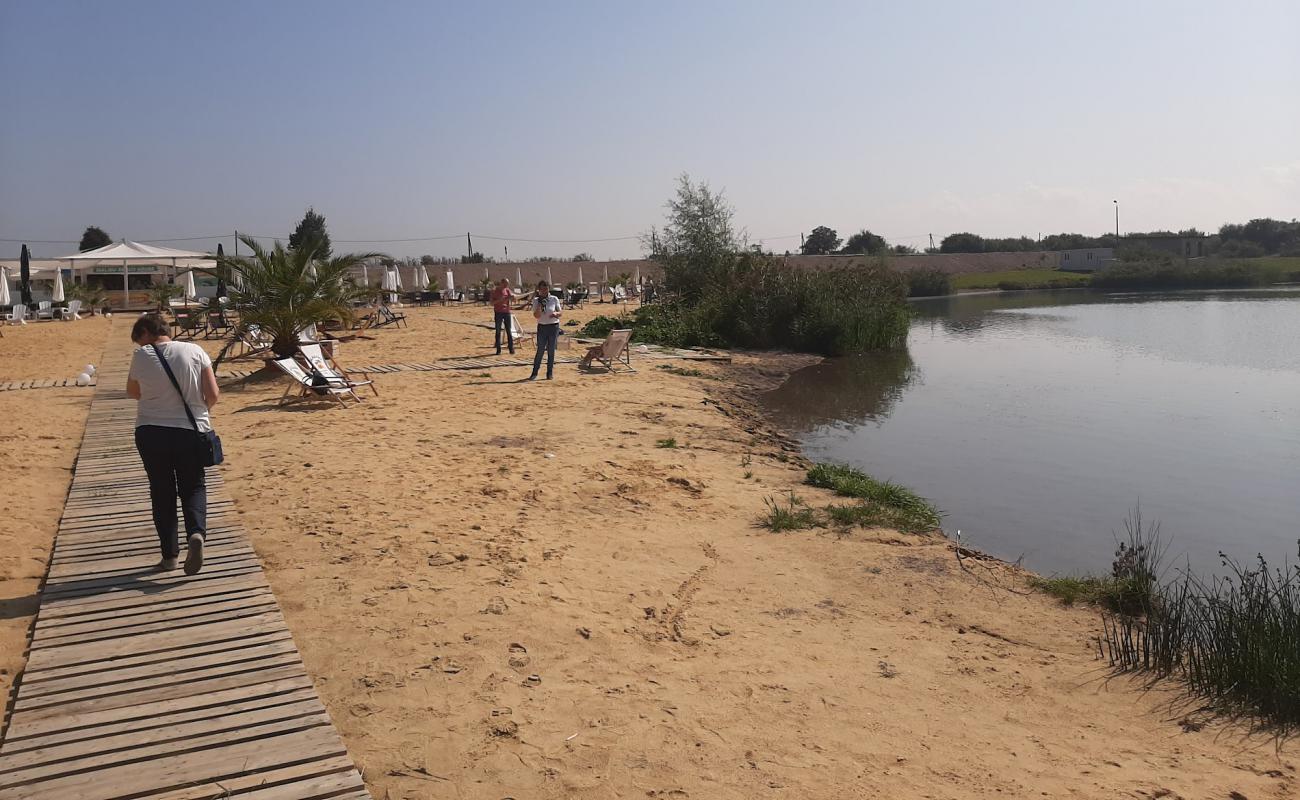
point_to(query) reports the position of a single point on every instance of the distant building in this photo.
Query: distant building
(1084, 259)
(1175, 244)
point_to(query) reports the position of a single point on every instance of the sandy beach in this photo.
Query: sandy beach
(505, 589)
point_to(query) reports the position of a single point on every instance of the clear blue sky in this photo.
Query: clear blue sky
(567, 120)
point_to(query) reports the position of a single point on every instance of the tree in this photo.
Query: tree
(94, 237)
(821, 242)
(312, 235)
(281, 295)
(962, 243)
(583, 257)
(903, 250)
(428, 261)
(475, 258)
(697, 243)
(864, 242)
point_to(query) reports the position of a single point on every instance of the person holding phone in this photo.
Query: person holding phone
(547, 311)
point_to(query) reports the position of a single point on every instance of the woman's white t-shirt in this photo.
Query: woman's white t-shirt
(159, 403)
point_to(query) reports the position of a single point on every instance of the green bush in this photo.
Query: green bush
(932, 282)
(599, 327)
(1170, 275)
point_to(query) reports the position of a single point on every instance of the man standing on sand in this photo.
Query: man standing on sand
(501, 297)
(546, 310)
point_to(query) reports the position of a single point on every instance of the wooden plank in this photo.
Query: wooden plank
(144, 685)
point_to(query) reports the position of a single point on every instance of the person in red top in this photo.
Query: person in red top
(501, 297)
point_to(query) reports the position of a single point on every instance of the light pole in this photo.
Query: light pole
(1116, 219)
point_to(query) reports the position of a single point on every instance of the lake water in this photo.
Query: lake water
(1037, 420)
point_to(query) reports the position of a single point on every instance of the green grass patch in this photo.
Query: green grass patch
(667, 444)
(792, 516)
(1019, 279)
(906, 509)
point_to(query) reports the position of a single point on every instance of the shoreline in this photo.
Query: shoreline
(437, 546)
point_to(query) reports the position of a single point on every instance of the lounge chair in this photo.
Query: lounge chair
(44, 310)
(613, 352)
(386, 316)
(517, 331)
(71, 312)
(306, 386)
(17, 315)
(251, 341)
(325, 366)
(216, 323)
(187, 323)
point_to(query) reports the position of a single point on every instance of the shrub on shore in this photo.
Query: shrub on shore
(885, 502)
(932, 282)
(1172, 275)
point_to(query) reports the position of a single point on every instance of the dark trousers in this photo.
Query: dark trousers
(171, 460)
(501, 319)
(547, 336)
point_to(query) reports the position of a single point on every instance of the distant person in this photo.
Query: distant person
(547, 311)
(165, 436)
(501, 296)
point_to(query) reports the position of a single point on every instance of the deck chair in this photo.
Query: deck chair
(72, 312)
(329, 369)
(216, 323)
(613, 352)
(187, 323)
(251, 341)
(17, 315)
(44, 310)
(517, 331)
(386, 316)
(307, 388)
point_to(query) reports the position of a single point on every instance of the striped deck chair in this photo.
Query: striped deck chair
(307, 388)
(325, 366)
(613, 352)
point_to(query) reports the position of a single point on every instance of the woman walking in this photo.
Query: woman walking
(167, 433)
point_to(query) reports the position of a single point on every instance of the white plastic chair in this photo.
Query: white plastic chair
(45, 310)
(17, 316)
(72, 312)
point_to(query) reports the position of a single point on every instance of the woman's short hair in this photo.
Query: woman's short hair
(540, 284)
(149, 325)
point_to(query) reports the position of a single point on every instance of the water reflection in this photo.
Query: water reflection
(850, 391)
(1038, 419)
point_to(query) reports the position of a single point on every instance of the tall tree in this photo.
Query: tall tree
(311, 234)
(864, 242)
(821, 242)
(94, 237)
(962, 243)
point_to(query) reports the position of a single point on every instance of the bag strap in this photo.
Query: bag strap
(167, 368)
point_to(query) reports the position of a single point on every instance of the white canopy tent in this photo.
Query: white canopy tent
(120, 257)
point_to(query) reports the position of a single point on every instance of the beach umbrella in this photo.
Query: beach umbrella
(485, 273)
(423, 279)
(397, 279)
(451, 284)
(311, 269)
(519, 278)
(190, 294)
(221, 271)
(579, 274)
(365, 274)
(58, 286)
(637, 278)
(25, 277)
(549, 281)
(4, 287)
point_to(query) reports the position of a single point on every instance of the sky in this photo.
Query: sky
(572, 120)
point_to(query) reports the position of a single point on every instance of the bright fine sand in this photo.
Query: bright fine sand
(509, 590)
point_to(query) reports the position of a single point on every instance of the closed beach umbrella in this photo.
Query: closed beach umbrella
(190, 294)
(519, 277)
(549, 280)
(451, 284)
(424, 278)
(397, 279)
(637, 279)
(365, 274)
(25, 276)
(579, 274)
(4, 287)
(221, 271)
(58, 286)
(485, 273)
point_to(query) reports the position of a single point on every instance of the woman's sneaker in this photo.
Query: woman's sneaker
(167, 564)
(194, 555)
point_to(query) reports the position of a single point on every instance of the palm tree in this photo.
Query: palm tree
(286, 289)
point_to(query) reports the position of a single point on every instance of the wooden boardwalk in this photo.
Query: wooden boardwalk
(166, 687)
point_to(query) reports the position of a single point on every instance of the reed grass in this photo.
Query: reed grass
(792, 516)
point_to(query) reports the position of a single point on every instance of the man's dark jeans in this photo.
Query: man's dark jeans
(547, 336)
(171, 460)
(501, 319)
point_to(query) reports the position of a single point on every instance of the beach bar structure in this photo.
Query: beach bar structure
(127, 270)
